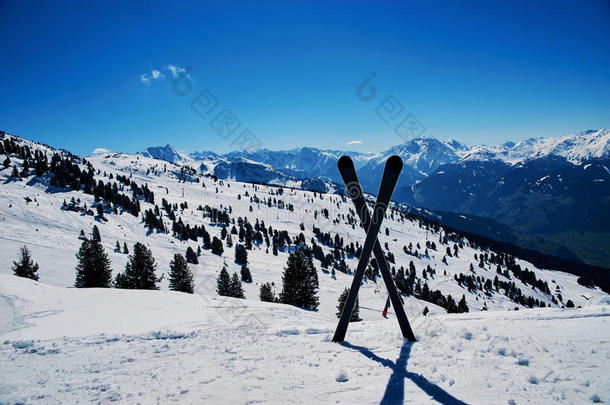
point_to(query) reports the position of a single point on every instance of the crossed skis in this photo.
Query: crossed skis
(391, 173)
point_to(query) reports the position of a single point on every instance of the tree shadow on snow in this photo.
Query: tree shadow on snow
(395, 390)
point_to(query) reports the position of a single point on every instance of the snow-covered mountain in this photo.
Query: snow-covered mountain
(510, 183)
(576, 147)
(63, 344)
(167, 153)
(421, 156)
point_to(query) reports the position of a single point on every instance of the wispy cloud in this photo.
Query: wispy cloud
(100, 151)
(157, 74)
(144, 79)
(175, 70)
(353, 143)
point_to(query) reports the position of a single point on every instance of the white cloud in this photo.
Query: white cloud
(157, 74)
(353, 143)
(100, 151)
(176, 70)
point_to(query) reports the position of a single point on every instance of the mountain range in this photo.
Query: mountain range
(551, 192)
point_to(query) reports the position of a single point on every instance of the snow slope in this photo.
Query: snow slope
(68, 345)
(52, 235)
(80, 345)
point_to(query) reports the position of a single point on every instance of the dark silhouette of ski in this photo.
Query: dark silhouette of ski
(388, 183)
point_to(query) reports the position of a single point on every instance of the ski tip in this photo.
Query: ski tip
(394, 162)
(345, 161)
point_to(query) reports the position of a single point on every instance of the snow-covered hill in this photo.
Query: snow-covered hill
(105, 345)
(190, 341)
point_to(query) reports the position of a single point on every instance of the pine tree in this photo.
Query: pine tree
(6, 162)
(140, 270)
(93, 266)
(241, 255)
(15, 173)
(117, 247)
(355, 312)
(223, 283)
(462, 306)
(266, 293)
(426, 310)
(125, 248)
(95, 234)
(300, 282)
(25, 266)
(191, 256)
(235, 287)
(100, 211)
(180, 276)
(246, 277)
(451, 306)
(217, 248)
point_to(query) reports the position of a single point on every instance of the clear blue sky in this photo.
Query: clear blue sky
(479, 72)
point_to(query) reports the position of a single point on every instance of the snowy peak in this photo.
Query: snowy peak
(576, 147)
(167, 153)
(425, 155)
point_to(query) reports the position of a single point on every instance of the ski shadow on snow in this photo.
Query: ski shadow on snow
(395, 390)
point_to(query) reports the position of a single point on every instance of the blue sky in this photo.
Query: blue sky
(71, 73)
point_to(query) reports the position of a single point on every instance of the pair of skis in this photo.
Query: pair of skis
(391, 173)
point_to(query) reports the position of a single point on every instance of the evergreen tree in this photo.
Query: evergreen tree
(217, 248)
(300, 282)
(140, 270)
(426, 310)
(93, 266)
(191, 256)
(246, 277)
(6, 162)
(125, 248)
(462, 306)
(95, 234)
(100, 211)
(25, 266)
(117, 247)
(355, 312)
(235, 287)
(450, 305)
(266, 293)
(180, 276)
(241, 255)
(223, 283)
(15, 173)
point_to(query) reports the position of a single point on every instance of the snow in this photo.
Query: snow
(575, 147)
(423, 155)
(66, 345)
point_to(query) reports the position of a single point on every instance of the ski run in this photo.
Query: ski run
(60, 344)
